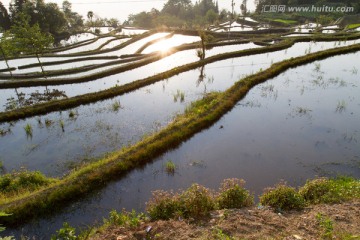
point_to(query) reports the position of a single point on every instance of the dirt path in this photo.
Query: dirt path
(339, 221)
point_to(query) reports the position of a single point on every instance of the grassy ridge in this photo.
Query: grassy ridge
(201, 115)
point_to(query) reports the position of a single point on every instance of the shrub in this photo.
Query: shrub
(124, 218)
(65, 233)
(316, 191)
(324, 190)
(233, 194)
(23, 180)
(282, 197)
(197, 201)
(163, 205)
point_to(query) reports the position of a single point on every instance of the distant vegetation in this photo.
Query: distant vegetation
(322, 17)
(181, 13)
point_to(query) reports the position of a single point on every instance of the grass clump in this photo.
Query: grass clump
(326, 225)
(179, 95)
(17, 182)
(323, 190)
(353, 26)
(282, 197)
(197, 202)
(170, 167)
(163, 205)
(233, 194)
(125, 219)
(116, 106)
(28, 130)
(65, 233)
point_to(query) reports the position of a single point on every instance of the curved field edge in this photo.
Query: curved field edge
(64, 104)
(201, 115)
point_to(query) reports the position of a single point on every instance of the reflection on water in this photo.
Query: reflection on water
(294, 136)
(177, 59)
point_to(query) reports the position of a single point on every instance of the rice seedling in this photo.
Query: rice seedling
(116, 106)
(341, 106)
(354, 70)
(170, 167)
(179, 95)
(28, 130)
(62, 125)
(317, 67)
(72, 114)
(48, 123)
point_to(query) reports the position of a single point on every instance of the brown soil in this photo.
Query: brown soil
(251, 223)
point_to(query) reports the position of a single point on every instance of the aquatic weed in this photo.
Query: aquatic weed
(28, 130)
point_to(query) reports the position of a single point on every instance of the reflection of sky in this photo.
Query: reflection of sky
(167, 63)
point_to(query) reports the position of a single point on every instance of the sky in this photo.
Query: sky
(121, 9)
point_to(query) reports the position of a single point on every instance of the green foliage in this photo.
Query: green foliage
(232, 194)
(116, 106)
(219, 234)
(28, 130)
(178, 13)
(179, 95)
(197, 202)
(163, 205)
(326, 225)
(282, 197)
(170, 167)
(125, 219)
(323, 190)
(29, 39)
(353, 26)
(3, 214)
(65, 233)
(13, 183)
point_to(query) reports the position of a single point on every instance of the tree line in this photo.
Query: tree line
(183, 13)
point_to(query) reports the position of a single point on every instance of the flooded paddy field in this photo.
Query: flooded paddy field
(298, 125)
(301, 124)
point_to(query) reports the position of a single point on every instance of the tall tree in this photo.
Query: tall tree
(29, 39)
(75, 21)
(16, 7)
(4, 17)
(6, 49)
(90, 16)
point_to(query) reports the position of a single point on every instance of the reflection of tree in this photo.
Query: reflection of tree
(202, 75)
(201, 78)
(34, 98)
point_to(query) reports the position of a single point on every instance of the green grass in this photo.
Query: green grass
(116, 106)
(282, 197)
(285, 21)
(353, 26)
(200, 115)
(170, 167)
(24, 181)
(28, 130)
(325, 190)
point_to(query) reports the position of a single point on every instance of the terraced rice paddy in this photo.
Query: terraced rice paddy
(294, 126)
